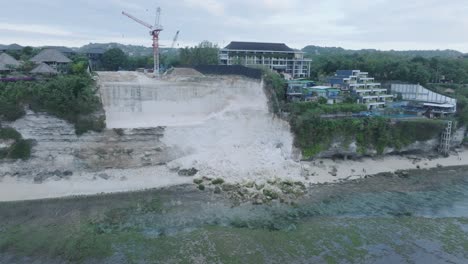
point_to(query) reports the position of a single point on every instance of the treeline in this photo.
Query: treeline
(388, 67)
(317, 51)
(206, 53)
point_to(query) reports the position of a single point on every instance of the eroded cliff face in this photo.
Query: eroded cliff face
(339, 148)
(160, 132)
(59, 151)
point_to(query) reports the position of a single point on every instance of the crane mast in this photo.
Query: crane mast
(175, 39)
(154, 32)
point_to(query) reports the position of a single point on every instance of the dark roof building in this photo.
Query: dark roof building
(259, 46)
(276, 56)
(62, 49)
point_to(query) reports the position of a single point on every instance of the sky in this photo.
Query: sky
(352, 24)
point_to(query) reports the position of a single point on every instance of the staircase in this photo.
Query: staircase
(446, 139)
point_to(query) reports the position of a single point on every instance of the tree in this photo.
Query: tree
(206, 53)
(322, 100)
(114, 59)
(80, 64)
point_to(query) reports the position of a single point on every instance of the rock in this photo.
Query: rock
(259, 186)
(258, 202)
(402, 174)
(67, 173)
(301, 185)
(201, 187)
(249, 184)
(188, 172)
(104, 176)
(270, 194)
(286, 187)
(272, 181)
(228, 187)
(217, 190)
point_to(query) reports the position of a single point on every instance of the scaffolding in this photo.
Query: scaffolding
(446, 139)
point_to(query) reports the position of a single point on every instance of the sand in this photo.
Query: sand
(369, 166)
(86, 183)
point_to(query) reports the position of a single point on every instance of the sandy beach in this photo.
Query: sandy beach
(323, 169)
(112, 181)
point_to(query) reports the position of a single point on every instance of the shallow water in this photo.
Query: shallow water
(412, 220)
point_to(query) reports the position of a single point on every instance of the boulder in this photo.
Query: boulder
(188, 172)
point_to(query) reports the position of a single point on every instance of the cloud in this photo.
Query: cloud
(380, 24)
(36, 29)
(279, 4)
(214, 7)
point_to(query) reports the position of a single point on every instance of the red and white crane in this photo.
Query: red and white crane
(154, 31)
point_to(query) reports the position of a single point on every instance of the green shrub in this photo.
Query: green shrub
(84, 125)
(9, 133)
(21, 149)
(11, 111)
(217, 181)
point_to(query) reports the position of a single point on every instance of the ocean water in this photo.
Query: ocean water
(419, 219)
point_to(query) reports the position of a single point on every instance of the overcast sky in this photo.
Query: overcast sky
(354, 24)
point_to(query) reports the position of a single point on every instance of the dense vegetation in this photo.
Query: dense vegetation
(314, 134)
(389, 67)
(317, 51)
(275, 90)
(206, 53)
(71, 97)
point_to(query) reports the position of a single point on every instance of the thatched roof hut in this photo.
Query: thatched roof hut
(7, 62)
(44, 69)
(50, 56)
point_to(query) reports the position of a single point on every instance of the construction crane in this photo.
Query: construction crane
(175, 39)
(154, 32)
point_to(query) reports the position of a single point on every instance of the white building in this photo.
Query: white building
(368, 91)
